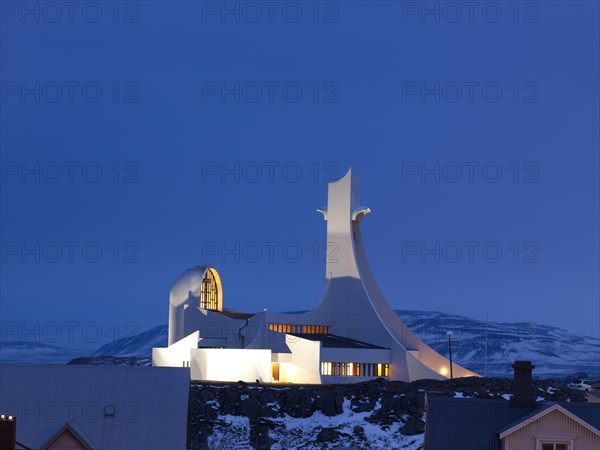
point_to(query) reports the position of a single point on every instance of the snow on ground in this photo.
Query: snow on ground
(301, 433)
(233, 432)
(461, 395)
(549, 390)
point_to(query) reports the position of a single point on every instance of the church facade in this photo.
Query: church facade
(352, 335)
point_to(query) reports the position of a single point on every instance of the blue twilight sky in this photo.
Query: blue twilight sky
(179, 103)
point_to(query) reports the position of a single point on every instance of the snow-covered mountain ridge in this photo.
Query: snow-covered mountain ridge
(484, 347)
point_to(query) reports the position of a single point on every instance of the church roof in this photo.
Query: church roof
(235, 314)
(334, 341)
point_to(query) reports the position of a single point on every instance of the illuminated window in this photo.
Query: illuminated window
(295, 328)
(209, 291)
(343, 369)
(383, 370)
(326, 368)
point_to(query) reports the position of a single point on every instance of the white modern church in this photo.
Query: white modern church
(352, 335)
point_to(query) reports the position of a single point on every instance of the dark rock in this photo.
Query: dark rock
(332, 404)
(259, 435)
(399, 402)
(250, 408)
(362, 404)
(327, 435)
(413, 426)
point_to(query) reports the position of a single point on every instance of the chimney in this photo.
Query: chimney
(523, 393)
(8, 432)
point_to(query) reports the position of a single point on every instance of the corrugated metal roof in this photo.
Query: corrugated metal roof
(467, 424)
(590, 412)
(130, 408)
(474, 424)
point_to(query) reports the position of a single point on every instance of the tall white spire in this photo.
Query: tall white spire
(343, 208)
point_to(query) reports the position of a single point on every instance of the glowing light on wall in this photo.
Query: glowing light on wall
(444, 371)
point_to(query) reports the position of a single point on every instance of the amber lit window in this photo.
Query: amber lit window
(209, 292)
(327, 368)
(342, 369)
(300, 329)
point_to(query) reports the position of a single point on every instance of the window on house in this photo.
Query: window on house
(555, 446)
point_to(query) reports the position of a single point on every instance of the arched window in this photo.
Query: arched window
(209, 291)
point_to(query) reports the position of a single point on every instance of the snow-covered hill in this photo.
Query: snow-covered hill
(138, 345)
(555, 352)
(23, 352)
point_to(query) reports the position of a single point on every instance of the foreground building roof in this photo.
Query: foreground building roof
(481, 424)
(99, 407)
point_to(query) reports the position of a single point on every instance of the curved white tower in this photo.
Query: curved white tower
(199, 286)
(353, 306)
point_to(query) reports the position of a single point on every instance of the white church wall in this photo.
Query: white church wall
(176, 355)
(230, 364)
(306, 362)
(215, 329)
(354, 356)
(358, 355)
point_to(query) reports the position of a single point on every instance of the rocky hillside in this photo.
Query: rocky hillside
(375, 414)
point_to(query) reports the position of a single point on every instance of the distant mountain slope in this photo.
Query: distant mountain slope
(23, 352)
(556, 353)
(137, 345)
